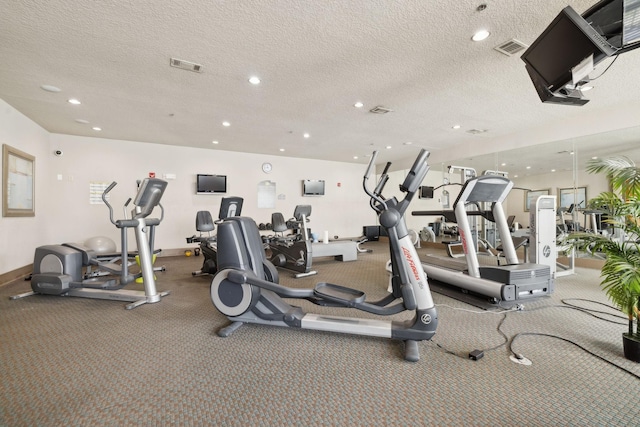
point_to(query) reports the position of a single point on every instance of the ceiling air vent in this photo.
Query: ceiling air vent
(380, 110)
(476, 131)
(185, 65)
(511, 47)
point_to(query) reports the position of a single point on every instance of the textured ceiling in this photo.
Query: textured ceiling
(316, 58)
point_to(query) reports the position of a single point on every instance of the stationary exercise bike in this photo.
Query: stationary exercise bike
(61, 269)
(229, 206)
(246, 287)
(292, 252)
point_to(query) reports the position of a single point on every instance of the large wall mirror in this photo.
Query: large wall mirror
(556, 167)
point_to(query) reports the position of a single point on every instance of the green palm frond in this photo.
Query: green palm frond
(622, 171)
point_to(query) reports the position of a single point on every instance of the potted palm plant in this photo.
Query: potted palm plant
(620, 273)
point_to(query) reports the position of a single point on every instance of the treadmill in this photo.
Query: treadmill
(510, 282)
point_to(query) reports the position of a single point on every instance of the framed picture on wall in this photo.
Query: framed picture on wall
(532, 196)
(576, 196)
(18, 170)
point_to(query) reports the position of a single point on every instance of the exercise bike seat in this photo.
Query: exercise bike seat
(279, 225)
(204, 221)
(204, 224)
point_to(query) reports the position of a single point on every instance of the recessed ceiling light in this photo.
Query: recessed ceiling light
(50, 88)
(306, 135)
(74, 101)
(83, 121)
(254, 80)
(553, 170)
(388, 147)
(214, 142)
(96, 128)
(528, 167)
(455, 127)
(226, 124)
(503, 164)
(282, 149)
(358, 104)
(594, 157)
(480, 35)
(515, 176)
(355, 157)
(408, 143)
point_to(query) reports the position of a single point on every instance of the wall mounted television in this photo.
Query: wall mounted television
(426, 192)
(563, 45)
(211, 184)
(313, 187)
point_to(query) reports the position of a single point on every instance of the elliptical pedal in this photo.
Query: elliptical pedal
(340, 294)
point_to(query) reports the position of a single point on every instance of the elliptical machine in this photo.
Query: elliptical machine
(58, 269)
(246, 288)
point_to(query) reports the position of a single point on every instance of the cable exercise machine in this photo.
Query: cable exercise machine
(246, 288)
(508, 282)
(58, 269)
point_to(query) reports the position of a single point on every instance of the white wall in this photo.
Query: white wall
(63, 212)
(20, 235)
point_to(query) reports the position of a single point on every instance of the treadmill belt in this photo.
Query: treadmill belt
(448, 263)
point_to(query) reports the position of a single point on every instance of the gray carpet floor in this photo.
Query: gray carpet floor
(81, 362)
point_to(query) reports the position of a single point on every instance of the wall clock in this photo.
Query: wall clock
(267, 167)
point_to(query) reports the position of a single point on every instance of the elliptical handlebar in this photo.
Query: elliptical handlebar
(410, 186)
(106, 202)
(375, 196)
(148, 197)
(383, 181)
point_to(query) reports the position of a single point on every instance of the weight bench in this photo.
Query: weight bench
(344, 250)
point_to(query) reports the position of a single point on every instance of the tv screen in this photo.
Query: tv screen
(313, 187)
(426, 192)
(564, 44)
(211, 184)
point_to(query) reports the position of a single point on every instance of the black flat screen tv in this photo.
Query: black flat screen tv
(211, 184)
(313, 187)
(426, 192)
(564, 44)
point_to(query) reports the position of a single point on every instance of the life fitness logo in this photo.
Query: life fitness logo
(412, 264)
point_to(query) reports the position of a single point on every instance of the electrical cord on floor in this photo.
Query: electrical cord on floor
(519, 356)
(479, 353)
(591, 312)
